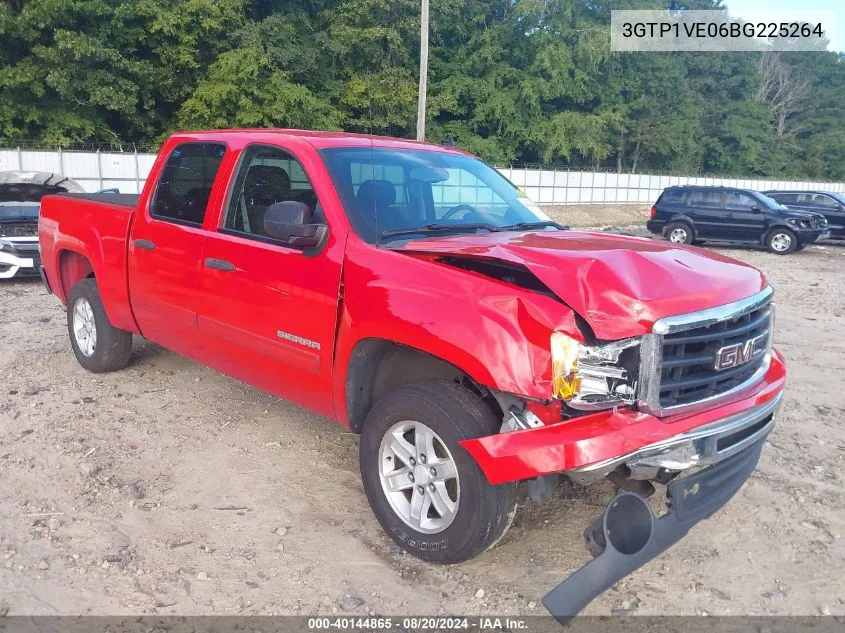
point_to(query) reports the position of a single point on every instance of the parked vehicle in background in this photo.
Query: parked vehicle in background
(688, 213)
(830, 205)
(20, 201)
(410, 292)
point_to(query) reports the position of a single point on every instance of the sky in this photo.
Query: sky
(753, 8)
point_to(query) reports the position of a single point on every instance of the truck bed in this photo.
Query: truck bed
(120, 199)
(83, 234)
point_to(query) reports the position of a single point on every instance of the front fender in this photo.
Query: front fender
(496, 333)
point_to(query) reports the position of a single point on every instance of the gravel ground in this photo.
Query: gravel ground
(167, 488)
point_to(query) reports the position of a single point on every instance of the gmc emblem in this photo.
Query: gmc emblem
(738, 353)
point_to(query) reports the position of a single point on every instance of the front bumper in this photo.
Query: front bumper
(630, 535)
(19, 258)
(600, 440)
(808, 236)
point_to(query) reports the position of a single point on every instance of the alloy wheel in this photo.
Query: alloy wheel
(419, 477)
(84, 327)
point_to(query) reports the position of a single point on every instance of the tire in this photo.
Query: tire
(679, 233)
(781, 241)
(111, 347)
(482, 513)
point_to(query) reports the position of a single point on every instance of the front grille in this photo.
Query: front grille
(18, 229)
(702, 358)
(688, 368)
(25, 247)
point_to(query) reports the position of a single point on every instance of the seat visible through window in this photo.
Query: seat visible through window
(267, 175)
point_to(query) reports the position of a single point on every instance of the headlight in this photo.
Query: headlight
(594, 377)
(801, 224)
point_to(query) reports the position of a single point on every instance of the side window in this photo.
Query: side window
(785, 198)
(673, 196)
(736, 201)
(706, 199)
(266, 175)
(185, 182)
(824, 202)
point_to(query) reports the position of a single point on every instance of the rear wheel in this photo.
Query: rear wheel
(98, 346)
(781, 241)
(426, 491)
(679, 233)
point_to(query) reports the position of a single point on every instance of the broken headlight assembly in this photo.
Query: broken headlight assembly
(594, 377)
(799, 223)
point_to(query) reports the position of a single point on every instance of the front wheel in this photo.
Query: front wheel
(781, 241)
(426, 491)
(97, 344)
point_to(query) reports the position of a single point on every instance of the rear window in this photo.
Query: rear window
(185, 183)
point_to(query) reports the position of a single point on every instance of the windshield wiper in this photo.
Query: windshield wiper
(441, 228)
(533, 225)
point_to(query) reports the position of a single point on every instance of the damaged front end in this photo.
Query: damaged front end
(699, 471)
(628, 534)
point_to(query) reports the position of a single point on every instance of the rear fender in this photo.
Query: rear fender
(79, 255)
(682, 217)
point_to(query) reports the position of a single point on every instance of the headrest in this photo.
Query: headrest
(380, 193)
(267, 176)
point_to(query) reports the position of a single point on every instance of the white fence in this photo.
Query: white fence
(128, 171)
(579, 187)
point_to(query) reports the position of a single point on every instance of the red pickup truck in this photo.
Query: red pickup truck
(413, 294)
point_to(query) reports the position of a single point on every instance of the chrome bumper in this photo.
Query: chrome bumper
(703, 446)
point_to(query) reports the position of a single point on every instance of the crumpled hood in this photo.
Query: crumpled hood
(619, 285)
(800, 215)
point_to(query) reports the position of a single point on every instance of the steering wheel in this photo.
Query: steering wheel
(456, 209)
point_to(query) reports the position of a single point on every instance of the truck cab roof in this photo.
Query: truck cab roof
(317, 139)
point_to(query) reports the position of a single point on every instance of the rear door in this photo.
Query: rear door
(166, 244)
(269, 310)
(742, 222)
(705, 208)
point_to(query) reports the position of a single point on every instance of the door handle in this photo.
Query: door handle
(219, 264)
(147, 245)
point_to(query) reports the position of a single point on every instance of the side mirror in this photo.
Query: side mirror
(291, 222)
(756, 209)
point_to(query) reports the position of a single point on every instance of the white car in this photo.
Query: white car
(20, 201)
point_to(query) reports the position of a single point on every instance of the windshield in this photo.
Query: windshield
(838, 197)
(769, 202)
(388, 193)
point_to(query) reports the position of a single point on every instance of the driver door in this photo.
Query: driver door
(271, 308)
